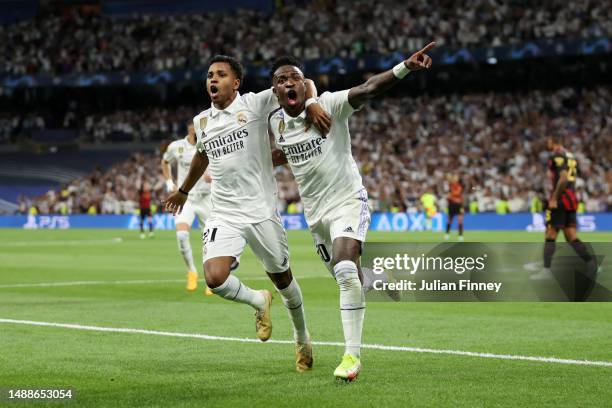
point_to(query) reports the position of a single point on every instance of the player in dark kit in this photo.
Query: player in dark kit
(562, 206)
(145, 209)
(455, 205)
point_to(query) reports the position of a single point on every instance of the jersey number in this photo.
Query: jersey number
(212, 232)
(322, 251)
(572, 169)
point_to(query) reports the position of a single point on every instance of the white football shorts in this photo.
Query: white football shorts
(199, 206)
(267, 239)
(351, 219)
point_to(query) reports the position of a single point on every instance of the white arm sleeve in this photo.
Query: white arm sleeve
(262, 102)
(337, 103)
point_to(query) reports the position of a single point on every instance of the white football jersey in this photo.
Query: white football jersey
(324, 167)
(236, 142)
(181, 152)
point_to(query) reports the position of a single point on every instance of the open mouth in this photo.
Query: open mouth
(214, 91)
(292, 97)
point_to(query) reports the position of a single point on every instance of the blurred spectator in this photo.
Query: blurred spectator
(77, 43)
(111, 192)
(495, 141)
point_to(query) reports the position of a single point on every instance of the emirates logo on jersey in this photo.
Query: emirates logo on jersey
(302, 152)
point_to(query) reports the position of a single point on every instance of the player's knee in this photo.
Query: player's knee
(182, 227)
(215, 279)
(215, 273)
(281, 280)
(349, 251)
(344, 258)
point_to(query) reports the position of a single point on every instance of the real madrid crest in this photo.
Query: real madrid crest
(180, 149)
(203, 122)
(242, 118)
(281, 126)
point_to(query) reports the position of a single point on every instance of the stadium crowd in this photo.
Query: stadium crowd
(404, 146)
(61, 43)
(153, 124)
(114, 191)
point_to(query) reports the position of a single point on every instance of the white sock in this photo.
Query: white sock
(182, 237)
(352, 305)
(234, 290)
(292, 299)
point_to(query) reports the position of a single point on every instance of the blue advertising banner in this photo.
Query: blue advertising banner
(406, 222)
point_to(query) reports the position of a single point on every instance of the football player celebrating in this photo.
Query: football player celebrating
(335, 201)
(232, 138)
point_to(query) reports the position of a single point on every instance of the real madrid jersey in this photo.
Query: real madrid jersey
(236, 142)
(182, 152)
(324, 167)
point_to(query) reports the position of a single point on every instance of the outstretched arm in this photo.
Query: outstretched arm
(378, 84)
(177, 200)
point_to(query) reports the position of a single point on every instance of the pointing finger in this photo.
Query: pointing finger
(427, 47)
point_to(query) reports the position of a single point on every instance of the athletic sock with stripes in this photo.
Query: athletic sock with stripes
(236, 291)
(292, 299)
(352, 305)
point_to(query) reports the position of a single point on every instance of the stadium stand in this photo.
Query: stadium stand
(496, 141)
(114, 191)
(487, 124)
(78, 42)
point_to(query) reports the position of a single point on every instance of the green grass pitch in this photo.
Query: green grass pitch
(148, 370)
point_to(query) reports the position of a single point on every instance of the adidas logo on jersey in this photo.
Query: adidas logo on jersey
(348, 229)
(281, 139)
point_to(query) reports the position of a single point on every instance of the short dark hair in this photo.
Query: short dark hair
(234, 64)
(285, 60)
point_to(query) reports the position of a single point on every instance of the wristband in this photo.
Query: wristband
(183, 191)
(310, 101)
(400, 70)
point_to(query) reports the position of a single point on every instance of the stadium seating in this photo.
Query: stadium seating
(496, 141)
(63, 42)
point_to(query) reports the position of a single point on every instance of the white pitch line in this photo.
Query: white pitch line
(316, 343)
(121, 282)
(58, 242)
(88, 283)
